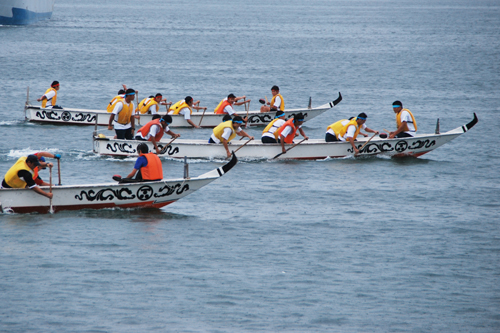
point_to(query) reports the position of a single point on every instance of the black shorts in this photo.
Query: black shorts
(266, 139)
(330, 138)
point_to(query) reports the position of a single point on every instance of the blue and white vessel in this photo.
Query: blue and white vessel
(22, 12)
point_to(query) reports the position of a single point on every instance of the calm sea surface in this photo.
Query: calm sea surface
(343, 245)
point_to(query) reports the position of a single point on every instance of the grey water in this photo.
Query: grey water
(337, 245)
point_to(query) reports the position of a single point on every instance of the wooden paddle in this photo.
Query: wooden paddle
(243, 145)
(51, 209)
(247, 108)
(295, 145)
(363, 146)
(205, 109)
(164, 149)
(59, 170)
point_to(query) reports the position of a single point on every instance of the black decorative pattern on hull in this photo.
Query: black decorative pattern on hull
(400, 146)
(82, 117)
(122, 147)
(106, 194)
(47, 114)
(171, 189)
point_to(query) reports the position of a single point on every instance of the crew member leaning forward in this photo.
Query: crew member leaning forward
(332, 131)
(226, 105)
(123, 116)
(22, 175)
(270, 133)
(287, 131)
(185, 107)
(407, 126)
(150, 105)
(153, 131)
(350, 131)
(226, 131)
(148, 166)
(121, 93)
(49, 99)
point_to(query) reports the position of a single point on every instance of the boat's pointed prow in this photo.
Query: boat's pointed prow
(471, 124)
(229, 165)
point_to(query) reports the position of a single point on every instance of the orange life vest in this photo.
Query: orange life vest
(220, 110)
(146, 128)
(154, 170)
(289, 138)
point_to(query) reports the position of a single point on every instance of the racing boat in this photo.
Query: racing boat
(302, 150)
(203, 119)
(150, 194)
(23, 12)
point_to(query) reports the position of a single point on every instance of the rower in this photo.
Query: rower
(277, 102)
(153, 131)
(22, 175)
(50, 97)
(286, 133)
(333, 130)
(351, 130)
(121, 94)
(405, 122)
(270, 133)
(226, 131)
(185, 107)
(150, 105)
(226, 105)
(122, 117)
(147, 167)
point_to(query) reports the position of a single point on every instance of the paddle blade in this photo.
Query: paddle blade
(262, 101)
(117, 178)
(382, 135)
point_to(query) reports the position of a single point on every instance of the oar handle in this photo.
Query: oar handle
(363, 146)
(295, 145)
(164, 149)
(202, 116)
(59, 170)
(243, 145)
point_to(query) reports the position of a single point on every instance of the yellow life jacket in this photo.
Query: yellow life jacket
(269, 126)
(336, 127)
(343, 131)
(219, 130)
(111, 104)
(145, 104)
(125, 113)
(282, 105)
(11, 177)
(177, 107)
(398, 120)
(53, 100)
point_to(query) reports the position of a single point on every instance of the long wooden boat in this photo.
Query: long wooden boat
(307, 150)
(204, 119)
(153, 194)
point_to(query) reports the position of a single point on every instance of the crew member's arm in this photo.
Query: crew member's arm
(132, 123)
(243, 133)
(399, 130)
(282, 141)
(190, 122)
(303, 134)
(132, 174)
(172, 134)
(351, 140)
(30, 183)
(224, 142)
(370, 130)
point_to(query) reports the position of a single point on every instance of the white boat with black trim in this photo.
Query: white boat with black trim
(149, 194)
(204, 119)
(307, 150)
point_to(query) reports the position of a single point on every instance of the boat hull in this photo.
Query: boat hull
(154, 194)
(307, 150)
(23, 12)
(207, 119)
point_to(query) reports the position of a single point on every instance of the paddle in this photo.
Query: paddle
(51, 209)
(59, 170)
(164, 149)
(295, 145)
(243, 145)
(247, 107)
(205, 109)
(363, 146)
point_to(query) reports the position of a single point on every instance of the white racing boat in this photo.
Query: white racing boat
(306, 150)
(152, 194)
(203, 119)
